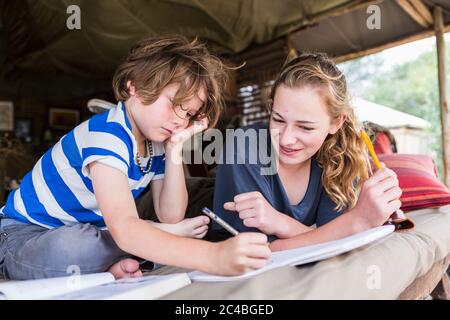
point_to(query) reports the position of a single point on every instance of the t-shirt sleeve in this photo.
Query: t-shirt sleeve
(326, 210)
(107, 149)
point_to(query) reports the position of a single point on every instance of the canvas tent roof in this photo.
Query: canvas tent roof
(38, 52)
(347, 36)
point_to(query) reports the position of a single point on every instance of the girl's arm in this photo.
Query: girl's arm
(378, 199)
(256, 212)
(344, 225)
(138, 237)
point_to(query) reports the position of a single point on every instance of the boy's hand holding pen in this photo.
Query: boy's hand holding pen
(250, 249)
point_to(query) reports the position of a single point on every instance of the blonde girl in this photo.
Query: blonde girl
(322, 174)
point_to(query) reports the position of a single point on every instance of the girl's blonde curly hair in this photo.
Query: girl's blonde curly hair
(342, 157)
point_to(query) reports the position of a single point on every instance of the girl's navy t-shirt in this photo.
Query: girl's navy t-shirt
(244, 174)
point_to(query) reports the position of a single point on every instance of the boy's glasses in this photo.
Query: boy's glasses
(182, 113)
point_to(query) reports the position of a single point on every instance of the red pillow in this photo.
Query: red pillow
(418, 180)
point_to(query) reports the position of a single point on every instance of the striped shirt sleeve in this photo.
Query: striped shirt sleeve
(106, 148)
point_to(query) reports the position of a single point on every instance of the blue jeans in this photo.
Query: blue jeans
(31, 252)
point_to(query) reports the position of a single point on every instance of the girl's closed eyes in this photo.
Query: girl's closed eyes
(298, 126)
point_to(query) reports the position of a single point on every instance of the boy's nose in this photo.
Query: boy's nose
(179, 122)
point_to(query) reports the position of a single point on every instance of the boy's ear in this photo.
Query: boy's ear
(131, 88)
(338, 124)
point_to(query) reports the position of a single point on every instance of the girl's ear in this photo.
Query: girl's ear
(334, 128)
(131, 88)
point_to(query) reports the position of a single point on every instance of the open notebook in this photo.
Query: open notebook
(303, 255)
(96, 286)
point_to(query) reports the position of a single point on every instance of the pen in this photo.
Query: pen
(217, 219)
(369, 145)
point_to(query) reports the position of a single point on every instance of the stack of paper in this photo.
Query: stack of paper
(303, 255)
(94, 286)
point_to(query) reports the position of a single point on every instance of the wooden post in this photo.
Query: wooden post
(445, 115)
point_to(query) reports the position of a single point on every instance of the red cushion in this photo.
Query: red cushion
(418, 180)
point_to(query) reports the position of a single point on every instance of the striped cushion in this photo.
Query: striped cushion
(418, 180)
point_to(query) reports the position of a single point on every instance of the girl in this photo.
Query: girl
(322, 175)
(75, 210)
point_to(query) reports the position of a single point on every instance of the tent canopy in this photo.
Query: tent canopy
(385, 116)
(38, 51)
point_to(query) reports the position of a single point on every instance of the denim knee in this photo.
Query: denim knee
(2, 252)
(61, 251)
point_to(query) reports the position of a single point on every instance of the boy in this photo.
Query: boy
(76, 207)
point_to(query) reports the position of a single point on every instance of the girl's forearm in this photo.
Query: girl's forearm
(343, 226)
(140, 238)
(289, 227)
(174, 197)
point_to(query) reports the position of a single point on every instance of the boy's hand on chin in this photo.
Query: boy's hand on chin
(180, 136)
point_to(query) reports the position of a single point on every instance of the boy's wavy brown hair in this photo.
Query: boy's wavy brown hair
(155, 62)
(342, 156)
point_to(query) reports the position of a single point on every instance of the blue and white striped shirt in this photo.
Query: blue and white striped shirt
(58, 190)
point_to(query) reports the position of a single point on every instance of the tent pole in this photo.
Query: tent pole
(445, 115)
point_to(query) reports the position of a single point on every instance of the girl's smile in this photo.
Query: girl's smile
(289, 152)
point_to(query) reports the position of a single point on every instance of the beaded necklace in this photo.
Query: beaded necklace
(149, 146)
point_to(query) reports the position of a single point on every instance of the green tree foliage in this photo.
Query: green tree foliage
(410, 87)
